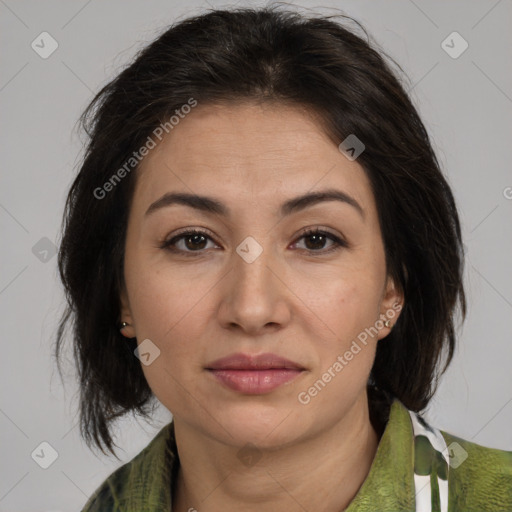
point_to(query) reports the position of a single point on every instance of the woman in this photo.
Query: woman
(261, 238)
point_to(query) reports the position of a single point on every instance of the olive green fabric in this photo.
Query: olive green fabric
(481, 483)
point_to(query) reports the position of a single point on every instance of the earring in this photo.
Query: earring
(123, 325)
(387, 323)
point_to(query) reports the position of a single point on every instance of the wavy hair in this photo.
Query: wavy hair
(266, 54)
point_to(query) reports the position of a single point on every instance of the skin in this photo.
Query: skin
(295, 300)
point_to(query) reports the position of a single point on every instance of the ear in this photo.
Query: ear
(391, 305)
(126, 314)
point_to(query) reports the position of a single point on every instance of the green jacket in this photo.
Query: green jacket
(479, 478)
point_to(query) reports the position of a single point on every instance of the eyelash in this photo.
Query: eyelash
(338, 243)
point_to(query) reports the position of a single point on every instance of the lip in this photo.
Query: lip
(253, 375)
(241, 361)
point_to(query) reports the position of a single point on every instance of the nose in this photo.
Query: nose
(255, 297)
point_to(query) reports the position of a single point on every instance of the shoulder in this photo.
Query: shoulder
(108, 495)
(143, 478)
(480, 478)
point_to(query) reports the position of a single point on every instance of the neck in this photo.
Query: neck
(320, 473)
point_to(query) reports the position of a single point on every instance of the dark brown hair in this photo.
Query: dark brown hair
(266, 54)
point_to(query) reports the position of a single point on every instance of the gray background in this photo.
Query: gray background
(466, 104)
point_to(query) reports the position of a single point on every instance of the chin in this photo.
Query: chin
(263, 426)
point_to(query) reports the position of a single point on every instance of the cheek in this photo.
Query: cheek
(345, 300)
(164, 299)
(166, 310)
(346, 307)
(344, 346)
(165, 307)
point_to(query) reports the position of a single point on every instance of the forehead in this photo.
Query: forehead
(248, 154)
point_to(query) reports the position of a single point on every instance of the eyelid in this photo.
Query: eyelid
(167, 241)
(315, 228)
(184, 231)
(339, 241)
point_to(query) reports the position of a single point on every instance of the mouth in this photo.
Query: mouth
(254, 374)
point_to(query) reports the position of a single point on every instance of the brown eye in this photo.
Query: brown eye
(316, 240)
(194, 241)
(187, 242)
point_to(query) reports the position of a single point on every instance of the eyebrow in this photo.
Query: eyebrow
(213, 206)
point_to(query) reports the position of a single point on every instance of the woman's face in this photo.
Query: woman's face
(251, 282)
